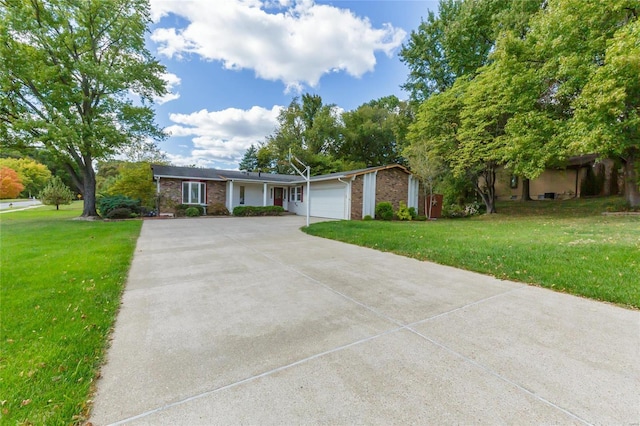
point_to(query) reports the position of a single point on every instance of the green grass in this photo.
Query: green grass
(568, 245)
(61, 283)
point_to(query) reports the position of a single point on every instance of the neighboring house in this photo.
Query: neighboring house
(555, 183)
(343, 195)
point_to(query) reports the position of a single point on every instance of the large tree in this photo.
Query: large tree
(457, 41)
(249, 160)
(309, 130)
(555, 70)
(68, 70)
(375, 132)
(607, 119)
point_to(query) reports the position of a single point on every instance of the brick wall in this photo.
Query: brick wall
(216, 192)
(392, 185)
(171, 190)
(170, 194)
(356, 197)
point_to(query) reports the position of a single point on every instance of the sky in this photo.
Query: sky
(233, 64)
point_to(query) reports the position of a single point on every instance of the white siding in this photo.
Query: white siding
(252, 194)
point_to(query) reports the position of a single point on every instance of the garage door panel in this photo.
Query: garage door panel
(328, 201)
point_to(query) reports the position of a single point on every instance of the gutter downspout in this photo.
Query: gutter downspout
(158, 196)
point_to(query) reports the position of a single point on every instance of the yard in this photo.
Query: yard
(61, 285)
(567, 246)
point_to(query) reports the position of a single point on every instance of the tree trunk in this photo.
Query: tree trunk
(489, 202)
(526, 190)
(631, 192)
(489, 194)
(89, 191)
(57, 206)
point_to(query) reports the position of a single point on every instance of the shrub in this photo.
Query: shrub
(421, 218)
(258, 211)
(367, 217)
(181, 209)
(218, 209)
(403, 212)
(384, 211)
(469, 209)
(472, 209)
(192, 212)
(119, 213)
(109, 203)
(413, 213)
(452, 210)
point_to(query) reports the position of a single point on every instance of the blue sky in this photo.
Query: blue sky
(232, 64)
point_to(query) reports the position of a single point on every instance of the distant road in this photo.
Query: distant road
(19, 204)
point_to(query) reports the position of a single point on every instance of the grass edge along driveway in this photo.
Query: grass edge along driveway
(568, 246)
(61, 284)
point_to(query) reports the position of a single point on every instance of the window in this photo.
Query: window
(193, 193)
(242, 195)
(296, 193)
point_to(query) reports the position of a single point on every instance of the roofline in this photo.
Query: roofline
(219, 179)
(297, 180)
(259, 181)
(377, 169)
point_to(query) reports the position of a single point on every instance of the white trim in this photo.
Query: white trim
(264, 194)
(369, 194)
(202, 192)
(412, 196)
(230, 196)
(189, 178)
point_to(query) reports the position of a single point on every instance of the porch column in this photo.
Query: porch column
(264, 194)
(230, 196)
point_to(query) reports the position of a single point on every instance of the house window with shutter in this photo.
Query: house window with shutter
(296, 193)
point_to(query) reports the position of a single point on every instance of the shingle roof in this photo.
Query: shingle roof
(351, 173)
(222, 175)
(216, 174)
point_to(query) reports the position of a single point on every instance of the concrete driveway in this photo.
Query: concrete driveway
(250, 321)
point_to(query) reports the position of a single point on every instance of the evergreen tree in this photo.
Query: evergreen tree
(56, 193)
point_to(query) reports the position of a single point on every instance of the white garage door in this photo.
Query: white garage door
(328, 200)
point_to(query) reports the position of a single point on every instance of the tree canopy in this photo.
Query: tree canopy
(539, 82)
(68, 70)
(33, 175)
(331, 140)
(10, 183)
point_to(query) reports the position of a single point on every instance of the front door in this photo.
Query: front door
(277, 196)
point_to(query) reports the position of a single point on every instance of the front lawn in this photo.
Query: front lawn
(564, 245)
(61, 283)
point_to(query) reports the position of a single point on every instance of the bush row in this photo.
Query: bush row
(384, 211)
(258, 211)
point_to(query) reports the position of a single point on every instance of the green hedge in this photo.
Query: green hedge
(258, 211)
(181, 209)
(107, 204)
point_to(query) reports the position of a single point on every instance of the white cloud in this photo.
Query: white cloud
(295, 42)
(172, 81)
(222, 136)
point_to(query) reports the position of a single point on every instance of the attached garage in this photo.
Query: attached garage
(329, 200)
